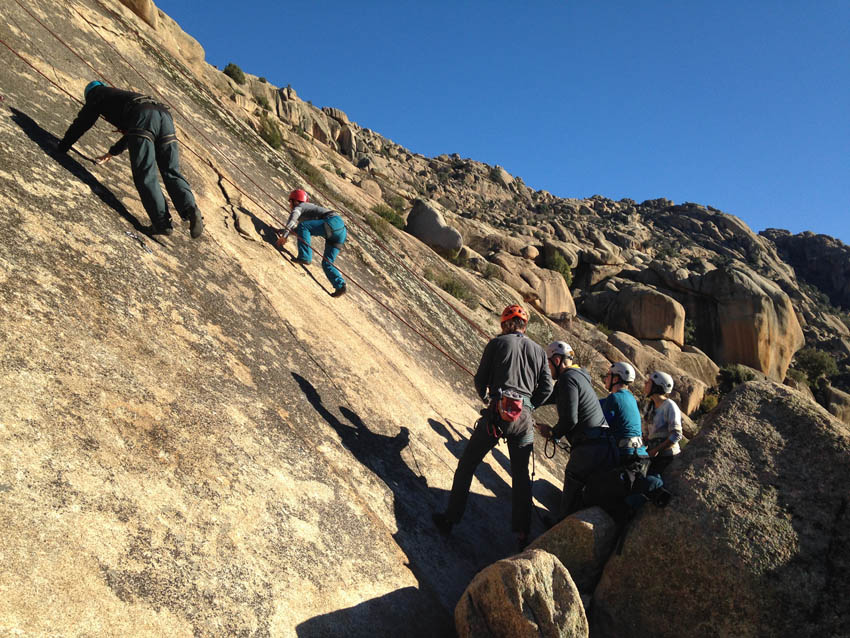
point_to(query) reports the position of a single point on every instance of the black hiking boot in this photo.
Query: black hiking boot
(158, 230)
(298, 260)
(443, 524)
(339, 292)
(196, 223)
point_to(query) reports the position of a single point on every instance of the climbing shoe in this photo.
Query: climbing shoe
(196, 223)
(339, 292)
(298, 260)
(158, 230)
(443, 524)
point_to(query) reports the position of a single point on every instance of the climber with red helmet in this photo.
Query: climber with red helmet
(151, 139)
(315, 220)
(581, 421)
(513, 378)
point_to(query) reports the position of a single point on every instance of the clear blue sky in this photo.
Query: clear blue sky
(744, 106)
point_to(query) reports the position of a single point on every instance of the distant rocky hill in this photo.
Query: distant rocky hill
(196, 439)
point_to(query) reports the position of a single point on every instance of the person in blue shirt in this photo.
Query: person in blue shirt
(622, 412)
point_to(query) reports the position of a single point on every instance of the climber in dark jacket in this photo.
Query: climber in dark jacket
(514, 377)
(149, 135)
(581, 420)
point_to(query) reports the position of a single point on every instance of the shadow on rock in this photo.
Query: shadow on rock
(443, 567)
(47, 142)
(383, 616)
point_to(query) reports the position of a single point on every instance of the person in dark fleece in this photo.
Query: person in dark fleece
(514, 374)
(581, 420)
(150, 137)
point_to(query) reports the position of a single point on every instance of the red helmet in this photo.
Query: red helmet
(514, 311)
(298, 196)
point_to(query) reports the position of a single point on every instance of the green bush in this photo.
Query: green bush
(263, 101)
(263, 80)
(270, 132)
(313, 174)
(815, 363)
(457, 289)
(557, 263)
(397, 203)
(601, 327)
(389, 214)
(380, 225)
(732, 375)
(235, 72)
(708, 403)
(690, 331)
(797, 375)
(490, 271)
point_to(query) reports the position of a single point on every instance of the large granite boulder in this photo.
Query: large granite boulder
(582, 542)
(739, 315)
(426, 224)
(145, 9)
(551, 293)
(530, 595)
(756, 541)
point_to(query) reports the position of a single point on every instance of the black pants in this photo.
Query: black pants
(586, 458)
(520, 437)
(158, 149)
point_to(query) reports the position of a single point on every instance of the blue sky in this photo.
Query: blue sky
(744, 106)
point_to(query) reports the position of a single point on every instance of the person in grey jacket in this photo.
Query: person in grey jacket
(150, 136)
(308, 220)
(514, 376)
(581, 420)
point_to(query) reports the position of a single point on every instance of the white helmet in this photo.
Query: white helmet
(624, 370)
(559, 347)
(662, 380)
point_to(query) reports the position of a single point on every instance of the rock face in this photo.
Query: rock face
(640, 311)
(428, 225)
(756, 541)
(740, 316)
(145, 9)
(528, 595)
(582, 542)
(820, 260)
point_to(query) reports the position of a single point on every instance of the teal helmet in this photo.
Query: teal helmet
(90, 86)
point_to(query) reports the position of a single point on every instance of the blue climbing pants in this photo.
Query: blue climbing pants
(333, 230)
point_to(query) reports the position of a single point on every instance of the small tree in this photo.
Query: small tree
(815, 363)
(557, 263)
(235, 72)
(270, 132)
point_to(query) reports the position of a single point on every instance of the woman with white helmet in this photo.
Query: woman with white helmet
(622, 411)
(665, 425)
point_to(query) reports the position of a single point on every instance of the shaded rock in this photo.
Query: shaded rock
(335, 114)
(582, 542)
(756, 541)
(638, 310)
(528, 595)
(429, 226)
(820, 260)
(838, 404)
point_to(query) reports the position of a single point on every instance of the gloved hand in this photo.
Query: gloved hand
(281, 241)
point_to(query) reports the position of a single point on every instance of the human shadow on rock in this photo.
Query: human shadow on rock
(443, 567)
(48, 142)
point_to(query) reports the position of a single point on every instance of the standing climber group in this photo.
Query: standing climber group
(604, 437)
(148, 133)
